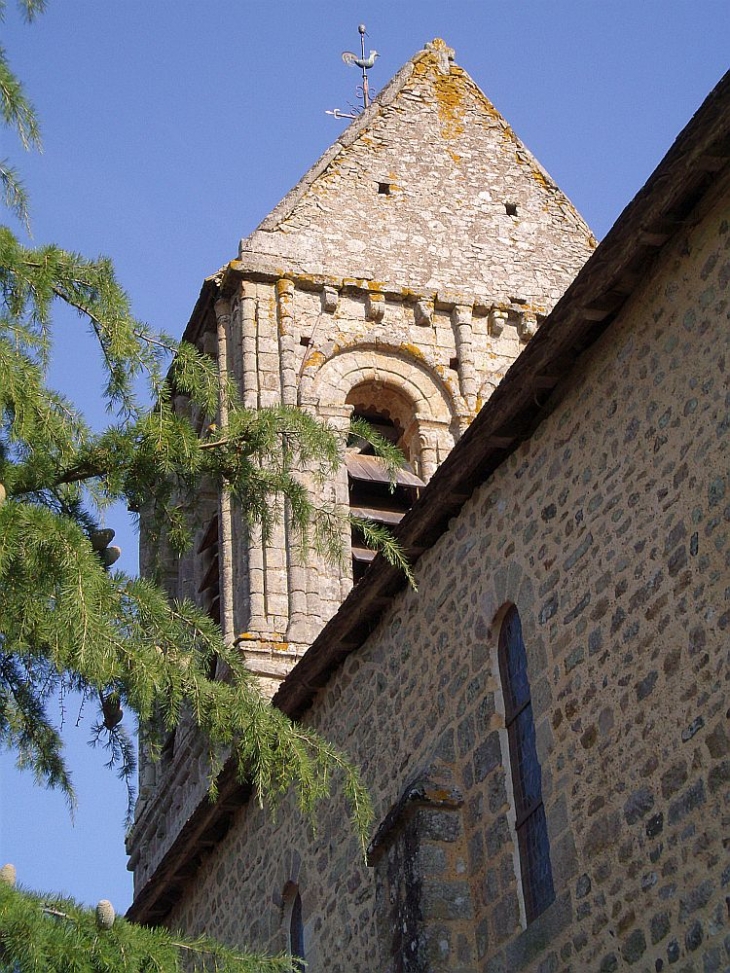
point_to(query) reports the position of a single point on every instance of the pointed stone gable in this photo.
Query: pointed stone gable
(399, 280)
(430, 190)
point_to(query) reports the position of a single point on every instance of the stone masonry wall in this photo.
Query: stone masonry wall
(609, 531)
(415, 194)
(335, 342)
(416, 257)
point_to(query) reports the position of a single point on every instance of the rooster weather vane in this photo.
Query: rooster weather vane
(363, 89)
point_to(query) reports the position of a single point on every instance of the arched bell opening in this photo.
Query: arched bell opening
(373, 493)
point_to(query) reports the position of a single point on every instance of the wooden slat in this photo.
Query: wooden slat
(378, 514)
(210, 537)
(211, 578)
(374, 469)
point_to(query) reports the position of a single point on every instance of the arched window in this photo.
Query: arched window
(531, 825)
(294, 924)
(372, 495)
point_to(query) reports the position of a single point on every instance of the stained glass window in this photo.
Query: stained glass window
(531, 825)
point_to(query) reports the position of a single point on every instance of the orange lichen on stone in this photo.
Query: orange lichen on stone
(450, 100)
(449, 90)
(540, 178)
(413, 350)
(273, 640)
(314, 360)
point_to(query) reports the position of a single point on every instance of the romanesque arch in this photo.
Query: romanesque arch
(361, 365)
(398, 381)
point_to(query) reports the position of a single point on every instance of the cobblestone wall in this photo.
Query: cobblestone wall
(609, 531)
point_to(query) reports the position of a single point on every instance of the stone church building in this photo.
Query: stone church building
(543, 724)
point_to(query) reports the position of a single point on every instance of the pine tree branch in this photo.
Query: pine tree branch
(14, 194)
(96, 322)
(33, 942)
(15, 109)
(78, 474)
(165, 344)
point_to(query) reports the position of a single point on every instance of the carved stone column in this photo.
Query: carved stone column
(248, 343)
(287, 347)
(435, 441)
(461, 321)
(225, 520)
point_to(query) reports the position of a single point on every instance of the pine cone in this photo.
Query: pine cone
(101, 538)
(105, 914)
(112, 711)
(109, 555)
(8, 874)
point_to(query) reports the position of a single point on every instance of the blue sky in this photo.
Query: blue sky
(172, 128)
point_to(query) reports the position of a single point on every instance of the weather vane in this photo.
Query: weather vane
(365, 63)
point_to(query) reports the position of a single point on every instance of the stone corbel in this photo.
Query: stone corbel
(497, 321)
(330, 299)
(423, 313)
(461, 314)
(374, 307)
(526, 326)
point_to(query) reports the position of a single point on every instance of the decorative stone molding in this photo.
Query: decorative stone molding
(497, 321)
(423, 313)
(526, 326)
(450, 299)
(431, 790)
(374, 307)
(430, 397)
(461, 314)
(330, 299)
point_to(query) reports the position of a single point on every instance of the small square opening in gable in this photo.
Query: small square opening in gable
(384, 188)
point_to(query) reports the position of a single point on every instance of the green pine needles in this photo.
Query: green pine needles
(45, 934)
(69, 623)
(68, 620)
